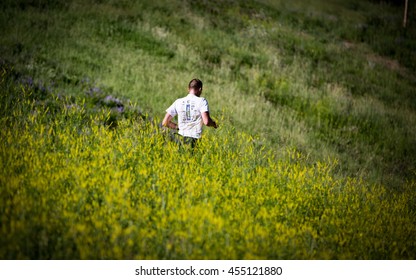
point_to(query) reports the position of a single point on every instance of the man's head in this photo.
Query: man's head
(195, 86)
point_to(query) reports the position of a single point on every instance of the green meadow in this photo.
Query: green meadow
(314, 157)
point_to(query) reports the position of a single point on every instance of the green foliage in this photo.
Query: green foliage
(73, 188)
(313, 83)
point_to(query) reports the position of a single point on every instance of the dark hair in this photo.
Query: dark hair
(195, 83)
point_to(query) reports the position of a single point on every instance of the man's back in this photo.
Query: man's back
(189, 110)
(192, 112)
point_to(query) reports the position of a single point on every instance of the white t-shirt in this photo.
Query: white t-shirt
(189, 110)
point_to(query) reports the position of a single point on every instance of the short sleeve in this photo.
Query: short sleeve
(204, 106)
(172, 110)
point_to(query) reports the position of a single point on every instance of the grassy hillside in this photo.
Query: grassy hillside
(334, 80)
(315, 156)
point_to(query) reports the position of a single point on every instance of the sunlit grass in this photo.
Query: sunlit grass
(314, 157)
(75, 188)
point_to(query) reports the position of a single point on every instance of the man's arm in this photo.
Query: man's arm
(167, 122)
(207, 120)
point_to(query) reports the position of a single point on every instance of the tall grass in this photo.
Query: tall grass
(316, 108)
(75, 187)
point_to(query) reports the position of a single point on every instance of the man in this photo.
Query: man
(192, 111)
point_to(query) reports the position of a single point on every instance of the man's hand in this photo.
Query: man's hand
(167, 122)
(208, 121)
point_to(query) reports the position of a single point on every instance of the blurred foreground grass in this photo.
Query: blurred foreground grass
(74, 186)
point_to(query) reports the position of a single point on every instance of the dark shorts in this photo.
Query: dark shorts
(187, 141)
(183, 141)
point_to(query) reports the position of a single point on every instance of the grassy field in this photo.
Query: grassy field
(314, 157)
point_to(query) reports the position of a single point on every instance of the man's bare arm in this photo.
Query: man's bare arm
(167, 122)
(208, 121)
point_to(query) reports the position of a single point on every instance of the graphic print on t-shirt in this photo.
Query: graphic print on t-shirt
(188, 111)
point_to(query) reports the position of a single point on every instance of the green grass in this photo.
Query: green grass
(329, 81)
(76, 186)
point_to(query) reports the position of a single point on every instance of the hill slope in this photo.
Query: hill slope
(311, 76)
(316, 148)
